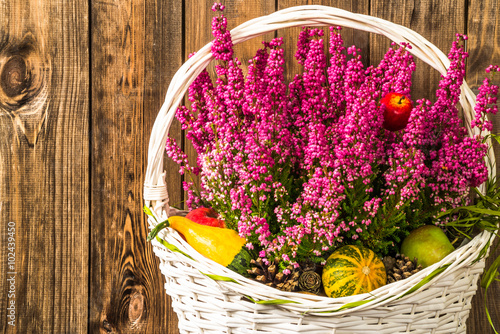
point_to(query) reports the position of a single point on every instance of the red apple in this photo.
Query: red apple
(397, 110)
(205, 216)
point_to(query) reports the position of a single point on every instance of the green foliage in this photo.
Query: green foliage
(220, 278)
(393, 221)
(483, 214)
(305, 251)
(271, 301)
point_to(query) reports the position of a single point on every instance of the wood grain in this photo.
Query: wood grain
(132, 61)
(197, 33)
(350, 36)
(198, 18)
(44, 80)
(438, 21)
(164, 55)
(483, 29)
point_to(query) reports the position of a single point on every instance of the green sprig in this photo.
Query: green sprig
(484, 215)
(272, 301)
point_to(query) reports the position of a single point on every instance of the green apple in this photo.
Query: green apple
(428, 244)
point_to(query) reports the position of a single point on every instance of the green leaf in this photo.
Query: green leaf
(483, 211)
(468, 222)
(488, 277)
(487, 225)
(485, 197)
(157, 229)
(148, 211)
(173, 248)
(426, 279)
(482, 253)
(488, 313)
(471, 208)
(277, 302)
(496, 137)
(351, 305)
(220, 278)
(272, 301)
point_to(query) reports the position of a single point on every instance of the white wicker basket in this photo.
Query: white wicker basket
(205, 305)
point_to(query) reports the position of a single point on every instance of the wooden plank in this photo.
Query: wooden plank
(135, 48)
(164, 55)
(436, 20)
(44, 166)
(350, 36)
(483, 29)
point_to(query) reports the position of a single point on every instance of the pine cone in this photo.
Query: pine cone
(308, 266)
(400, 267)
(286, 280)
(310, 281)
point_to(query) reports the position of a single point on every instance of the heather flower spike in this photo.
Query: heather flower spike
(486, 101)
(222, 45)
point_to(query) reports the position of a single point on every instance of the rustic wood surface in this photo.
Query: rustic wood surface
(81, 83)
(44, 165)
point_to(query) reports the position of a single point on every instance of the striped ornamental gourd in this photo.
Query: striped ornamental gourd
(352, 270)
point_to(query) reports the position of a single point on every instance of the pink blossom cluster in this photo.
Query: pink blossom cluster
(486, 101)
(300, 169)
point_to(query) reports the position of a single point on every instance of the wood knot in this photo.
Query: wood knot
(107, 326)
(136, 308)
(14, 77)
(24, 77)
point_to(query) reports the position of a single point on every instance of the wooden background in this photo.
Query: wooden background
(80, 85)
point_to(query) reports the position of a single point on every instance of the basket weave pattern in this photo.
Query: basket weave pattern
(204, 305)
(207, 306)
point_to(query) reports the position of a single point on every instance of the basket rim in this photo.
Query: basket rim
(156, 196)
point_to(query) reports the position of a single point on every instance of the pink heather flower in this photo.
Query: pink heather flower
(217, 6)
(486, 101)
(397, 67)
(458, 164)
(336, 69)
(200, 118)
(222, 45)
(306, 167)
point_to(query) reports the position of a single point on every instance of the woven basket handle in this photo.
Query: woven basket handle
(155, 192)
